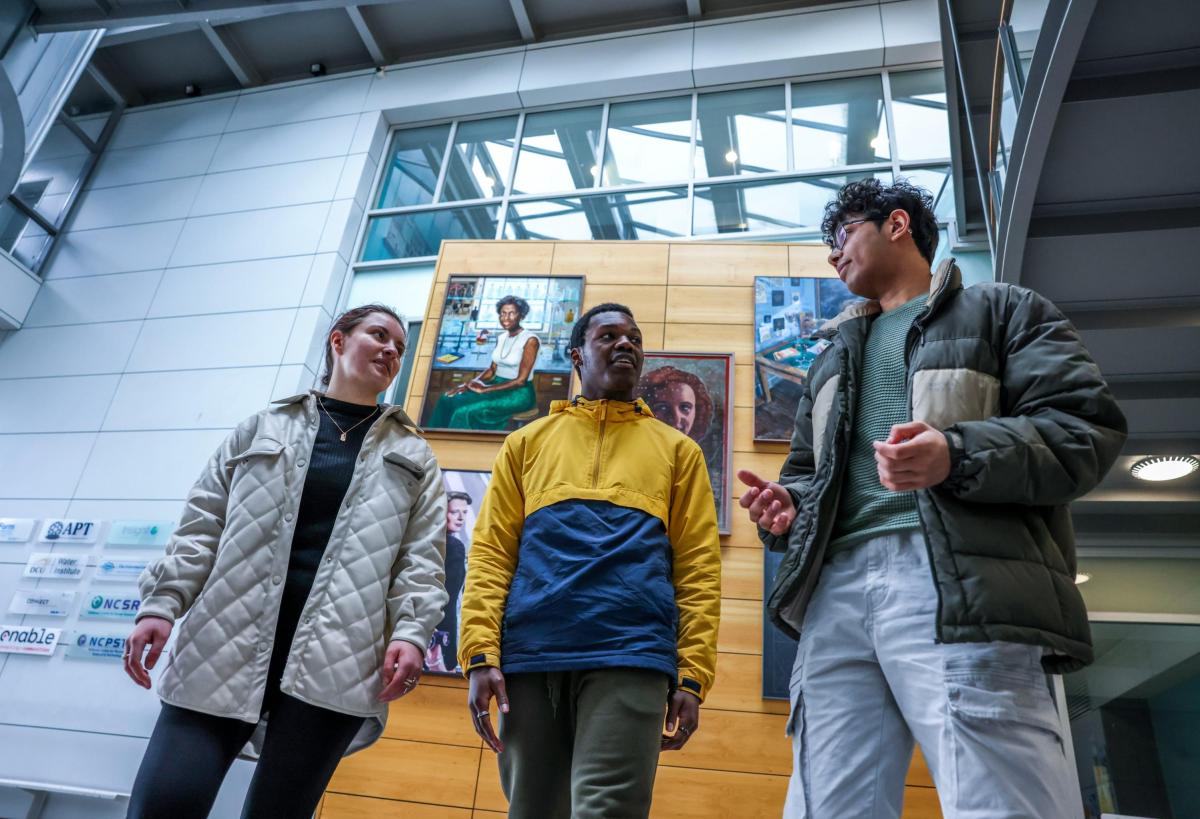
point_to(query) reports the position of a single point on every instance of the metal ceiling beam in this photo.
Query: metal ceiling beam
(369, 41)
(524, 24)
(113, 83)
(232, 55)
(137, 34)
(693, 9)
(196, 11)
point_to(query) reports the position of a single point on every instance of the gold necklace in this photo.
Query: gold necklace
(342, 437)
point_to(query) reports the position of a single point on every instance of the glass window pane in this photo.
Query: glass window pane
(414, 161)
(840, 122)
(558, 151)
(919, 112)
(940, 185)
(648, 141)
(22, 237)
(421, 234)
(54, 173)
(740, 207)
(480, 159)
(741, 132)
(638, 215)
(1135, 711)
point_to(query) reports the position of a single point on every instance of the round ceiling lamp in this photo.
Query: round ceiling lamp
(1164, 467)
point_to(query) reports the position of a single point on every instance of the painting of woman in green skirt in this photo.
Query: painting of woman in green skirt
(490, 400)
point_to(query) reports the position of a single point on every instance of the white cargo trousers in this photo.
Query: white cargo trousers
(869, 678)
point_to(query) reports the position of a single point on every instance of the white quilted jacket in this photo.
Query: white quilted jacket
(381, 578)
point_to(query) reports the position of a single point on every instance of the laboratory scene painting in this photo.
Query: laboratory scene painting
(787, 314)
(501, 354)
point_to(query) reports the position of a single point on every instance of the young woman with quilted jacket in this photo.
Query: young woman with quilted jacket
(310, 564)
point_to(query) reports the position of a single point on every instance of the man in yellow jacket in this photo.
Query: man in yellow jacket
(593, 592)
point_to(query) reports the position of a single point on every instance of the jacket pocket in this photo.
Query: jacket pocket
(411, 467)
(259, 447)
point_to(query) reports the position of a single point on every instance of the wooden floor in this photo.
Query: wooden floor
(687, 297)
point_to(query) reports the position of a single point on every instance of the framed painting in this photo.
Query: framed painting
(464, 497)
(500, 356)
(693, 392)
(787, 314)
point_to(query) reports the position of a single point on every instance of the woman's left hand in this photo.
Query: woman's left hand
(401, 670)
(476, 386)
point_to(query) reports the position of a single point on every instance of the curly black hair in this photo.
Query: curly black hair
(874, 200)
(579, 331)
(517, 302)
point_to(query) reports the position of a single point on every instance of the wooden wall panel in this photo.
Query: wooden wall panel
(687, 297)
(396, 769)
(343, 806)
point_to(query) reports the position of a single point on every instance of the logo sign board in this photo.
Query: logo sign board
(140, 532)
(16, 530)
(61, 567)
(87, 645)
(111, 607)
(120, 568)
(36, 640)
(70, 531)
(42, 602)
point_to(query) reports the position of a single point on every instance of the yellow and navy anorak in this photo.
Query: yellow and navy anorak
(596, 547)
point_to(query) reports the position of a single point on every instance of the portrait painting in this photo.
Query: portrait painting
(464, 497)
(693, 392)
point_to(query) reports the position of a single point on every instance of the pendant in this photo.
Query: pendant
(343, 438)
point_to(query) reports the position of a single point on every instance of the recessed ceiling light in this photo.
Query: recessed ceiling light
(1081, 578)
(1164, 467)
(731, 157)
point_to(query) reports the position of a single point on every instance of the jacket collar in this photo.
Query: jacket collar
(612, 410)
(309, 400)
(945, 279)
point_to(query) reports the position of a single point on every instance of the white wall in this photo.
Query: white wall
(204, 263)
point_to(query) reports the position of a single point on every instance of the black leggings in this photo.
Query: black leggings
(189, 754)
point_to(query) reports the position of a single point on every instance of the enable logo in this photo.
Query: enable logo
(28, 640)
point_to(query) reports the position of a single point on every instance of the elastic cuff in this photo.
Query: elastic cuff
(958, 456)
(478, 659)
(690, 685)
(157, 607)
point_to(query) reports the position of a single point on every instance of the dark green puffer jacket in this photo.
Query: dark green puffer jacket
(1031, 426)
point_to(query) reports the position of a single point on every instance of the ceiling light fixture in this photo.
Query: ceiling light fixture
(1164, 467)
(1081, 578)
(316, 69)
(731, 157)
(191, 90)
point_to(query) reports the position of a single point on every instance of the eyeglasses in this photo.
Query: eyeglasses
(838, 240)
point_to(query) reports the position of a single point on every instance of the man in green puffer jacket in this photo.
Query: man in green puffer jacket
(930, 559)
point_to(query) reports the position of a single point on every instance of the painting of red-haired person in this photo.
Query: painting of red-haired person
(693, 392)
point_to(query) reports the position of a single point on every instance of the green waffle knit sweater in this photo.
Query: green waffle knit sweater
(866, 507)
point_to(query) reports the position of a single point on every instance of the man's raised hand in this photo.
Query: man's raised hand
(770, 505)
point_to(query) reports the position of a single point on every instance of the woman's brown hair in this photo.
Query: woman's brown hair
(653, 384)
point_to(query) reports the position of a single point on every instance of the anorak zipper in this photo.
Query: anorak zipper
(599, 443)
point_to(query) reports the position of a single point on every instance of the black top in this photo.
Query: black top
(456, 575)
(330, 470)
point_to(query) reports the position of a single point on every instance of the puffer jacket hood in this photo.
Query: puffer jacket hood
(381, 578)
